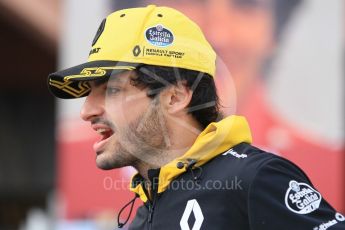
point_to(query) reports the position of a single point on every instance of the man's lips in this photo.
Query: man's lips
(106, 132)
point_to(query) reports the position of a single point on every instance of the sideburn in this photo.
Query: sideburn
(148, 136)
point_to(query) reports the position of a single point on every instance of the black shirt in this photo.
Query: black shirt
(243, 188)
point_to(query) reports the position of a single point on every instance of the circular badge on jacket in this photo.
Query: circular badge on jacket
(301, 198)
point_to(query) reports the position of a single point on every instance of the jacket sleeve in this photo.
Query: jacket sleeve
(282, 197)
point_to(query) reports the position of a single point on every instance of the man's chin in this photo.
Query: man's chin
(104, 162)
(104, 166)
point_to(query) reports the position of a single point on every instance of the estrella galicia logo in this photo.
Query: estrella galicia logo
(159, 36)
(301, 198)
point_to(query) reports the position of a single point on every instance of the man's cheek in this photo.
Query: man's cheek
(133, 107)
(116, 113)
(129, 112)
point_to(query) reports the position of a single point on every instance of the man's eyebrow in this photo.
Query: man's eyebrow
(111, 79)
(116, 79)
(99, 82)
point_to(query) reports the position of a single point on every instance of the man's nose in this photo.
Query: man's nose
(92, 107)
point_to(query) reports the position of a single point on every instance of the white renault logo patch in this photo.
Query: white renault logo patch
(192, 206)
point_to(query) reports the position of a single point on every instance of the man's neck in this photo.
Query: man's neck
(158, 161)
(182, 135)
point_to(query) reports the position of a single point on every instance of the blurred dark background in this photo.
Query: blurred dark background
(28, 53)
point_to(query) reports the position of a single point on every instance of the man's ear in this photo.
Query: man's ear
(176, 98)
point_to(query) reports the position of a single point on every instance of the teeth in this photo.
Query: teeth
(101, 131)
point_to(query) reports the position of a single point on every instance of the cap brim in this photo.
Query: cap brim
(72, 82)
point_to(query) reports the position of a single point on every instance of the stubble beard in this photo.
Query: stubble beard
(143, 141)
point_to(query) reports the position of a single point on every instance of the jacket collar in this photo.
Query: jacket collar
(216, 138)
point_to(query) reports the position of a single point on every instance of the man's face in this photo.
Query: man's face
(130, 123)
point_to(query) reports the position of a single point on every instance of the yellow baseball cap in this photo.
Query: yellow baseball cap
(129, 38)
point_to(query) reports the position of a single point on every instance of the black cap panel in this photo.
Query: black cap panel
(72, 82)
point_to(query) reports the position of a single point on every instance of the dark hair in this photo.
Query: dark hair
(204, 105)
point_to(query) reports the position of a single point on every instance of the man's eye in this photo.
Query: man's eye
(112, 91)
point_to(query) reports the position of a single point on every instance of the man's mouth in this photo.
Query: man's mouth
(105, 132)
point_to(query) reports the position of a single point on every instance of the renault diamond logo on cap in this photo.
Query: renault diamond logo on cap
(159, 36)
(136, 51)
